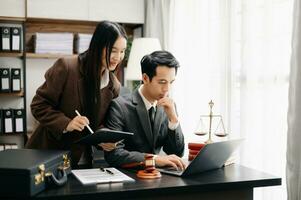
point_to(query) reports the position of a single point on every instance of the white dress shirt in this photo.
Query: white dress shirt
(148, 105)
(105, 79)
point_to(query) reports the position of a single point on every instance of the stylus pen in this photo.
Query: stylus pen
(87, 124)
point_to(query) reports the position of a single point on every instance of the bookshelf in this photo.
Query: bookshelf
(9, 59)
(43, 25)
(11, 54)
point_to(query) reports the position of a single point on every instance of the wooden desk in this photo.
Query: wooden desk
(232, 182)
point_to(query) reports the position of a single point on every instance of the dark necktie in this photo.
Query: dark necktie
(151, 113)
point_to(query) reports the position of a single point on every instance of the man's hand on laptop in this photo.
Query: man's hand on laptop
(170, 161)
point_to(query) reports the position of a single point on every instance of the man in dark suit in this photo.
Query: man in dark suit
(153, 130)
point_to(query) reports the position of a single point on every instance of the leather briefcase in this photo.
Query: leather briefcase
(25, 172)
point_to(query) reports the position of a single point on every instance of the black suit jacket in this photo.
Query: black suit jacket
(128, 113)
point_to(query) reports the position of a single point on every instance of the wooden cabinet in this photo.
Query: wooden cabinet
(58, 9)
(129, 11)
(12, 8)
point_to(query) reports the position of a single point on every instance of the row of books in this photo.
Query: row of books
(8, 146)
(61, 43)
(194, 149)
(10, 80)
(12, 121)
(10, 39)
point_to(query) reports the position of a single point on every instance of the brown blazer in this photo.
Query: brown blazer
(55, 103)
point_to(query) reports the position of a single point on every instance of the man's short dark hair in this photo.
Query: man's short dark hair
(150, 62)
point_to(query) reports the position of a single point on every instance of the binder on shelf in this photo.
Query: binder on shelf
(8, 120)
(15, 39)
(10, 146)
(0, 38)
(1, 122)
(18, 117)
(195, 146)
(15, 79)
(5, 38)
(4, 80)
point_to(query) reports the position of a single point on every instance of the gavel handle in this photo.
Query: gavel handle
(132, 165)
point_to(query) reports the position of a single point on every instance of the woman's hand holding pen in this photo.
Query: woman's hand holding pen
(78, 123)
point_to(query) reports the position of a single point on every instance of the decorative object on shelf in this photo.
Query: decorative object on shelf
(214, 121)
(140, 47)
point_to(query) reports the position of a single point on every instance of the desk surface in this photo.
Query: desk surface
(233, 177)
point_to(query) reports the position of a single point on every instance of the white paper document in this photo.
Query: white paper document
(96, 175)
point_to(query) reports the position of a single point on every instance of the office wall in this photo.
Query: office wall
(36, 69)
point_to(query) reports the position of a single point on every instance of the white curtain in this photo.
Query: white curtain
(158, 20)
(293, 167)
(236, 53)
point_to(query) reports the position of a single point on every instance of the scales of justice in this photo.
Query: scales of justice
(215, 123)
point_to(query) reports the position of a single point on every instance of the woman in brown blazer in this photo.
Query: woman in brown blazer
(85, 83)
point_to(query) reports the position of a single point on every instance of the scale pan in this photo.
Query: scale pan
(200, 133)
(221, 134)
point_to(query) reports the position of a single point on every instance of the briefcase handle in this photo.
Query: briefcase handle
(57, 181)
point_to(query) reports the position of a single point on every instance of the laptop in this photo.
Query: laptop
(211, 156)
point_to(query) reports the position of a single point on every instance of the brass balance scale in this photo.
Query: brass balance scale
(213, 121)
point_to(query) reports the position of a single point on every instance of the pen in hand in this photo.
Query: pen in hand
(119, 143)
(87, 124)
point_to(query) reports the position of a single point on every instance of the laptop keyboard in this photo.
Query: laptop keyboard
(171, 169)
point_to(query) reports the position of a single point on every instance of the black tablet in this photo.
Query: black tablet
(105, 135)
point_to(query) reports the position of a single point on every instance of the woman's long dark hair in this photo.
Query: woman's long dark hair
(104, 36)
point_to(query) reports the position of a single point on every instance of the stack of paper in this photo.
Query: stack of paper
(57, 43)
(99, 175)
(82, 42)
